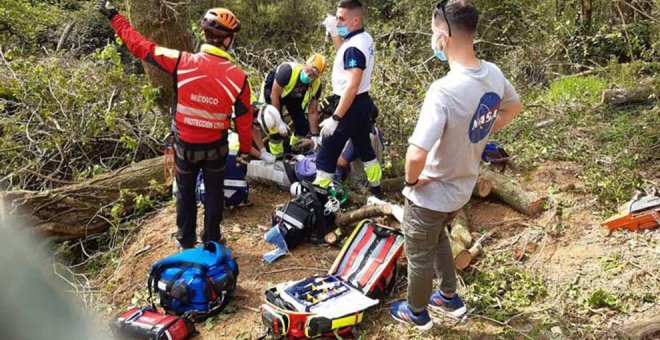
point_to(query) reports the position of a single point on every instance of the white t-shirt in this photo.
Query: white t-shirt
(454, 124)
(357, 51)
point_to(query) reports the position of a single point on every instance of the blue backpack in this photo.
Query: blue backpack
(195, 283)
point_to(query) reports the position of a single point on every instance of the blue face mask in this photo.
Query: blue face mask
(343, 31)
(304, 78)
(438, 53)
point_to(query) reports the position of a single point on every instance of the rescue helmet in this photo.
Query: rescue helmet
(317, 64)
(296, 189)
(220, 21)
(270, 119)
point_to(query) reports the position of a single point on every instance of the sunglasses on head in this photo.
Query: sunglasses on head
(441, 6)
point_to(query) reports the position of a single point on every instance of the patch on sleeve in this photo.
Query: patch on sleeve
(169, 53)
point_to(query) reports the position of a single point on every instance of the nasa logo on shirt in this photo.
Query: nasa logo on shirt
(484, 117)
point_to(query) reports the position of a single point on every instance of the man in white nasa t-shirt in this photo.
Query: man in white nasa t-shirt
(442, 163)
(351, 81)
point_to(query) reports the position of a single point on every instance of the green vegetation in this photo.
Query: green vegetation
(88, 108)
(602, 299)
(502, 291)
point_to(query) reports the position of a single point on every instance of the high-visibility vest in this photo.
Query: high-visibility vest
(208, 85)
(312, 90)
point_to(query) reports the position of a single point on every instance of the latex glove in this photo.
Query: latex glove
(330, 24)
(317, 141)
(267, 156)
(328, 127)
(107, 8)
(284, 129)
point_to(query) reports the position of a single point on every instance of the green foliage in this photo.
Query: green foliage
(502, 291)
(74, 111)
(24, 23)
(602, 299)
(576, 88)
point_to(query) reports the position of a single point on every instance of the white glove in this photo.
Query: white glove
(284, 129)
(267, 156)
(317, 141)
(330, 24)
(328, 127)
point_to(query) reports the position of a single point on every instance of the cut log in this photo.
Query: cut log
(460, 239)
(460, 230)
(510, 192)
(618, 97)
(346, 219)
(84, 209)
(483, 188)
(330, 238)
(645, 329)
(465, 261)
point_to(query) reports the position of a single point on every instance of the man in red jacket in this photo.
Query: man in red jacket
(209, 87)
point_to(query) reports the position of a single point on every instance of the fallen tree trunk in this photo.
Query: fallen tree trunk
(83, 209)
(371, 211)
(645, 329)
(618, 97)
(510, 192)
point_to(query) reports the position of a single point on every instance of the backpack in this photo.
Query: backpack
(148, 323)
(305, 217)
(195, 283)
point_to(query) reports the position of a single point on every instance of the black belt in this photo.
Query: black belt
(202, 146)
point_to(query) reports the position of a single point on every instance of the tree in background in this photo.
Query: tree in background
(166, 23)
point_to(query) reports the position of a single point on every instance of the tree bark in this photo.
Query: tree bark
(645, 329)
(586, 12)
(371, 211)
(83, 209)
(619, 97)
(168, 27)
(505, 189)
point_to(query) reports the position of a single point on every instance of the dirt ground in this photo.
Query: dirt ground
(566, 249)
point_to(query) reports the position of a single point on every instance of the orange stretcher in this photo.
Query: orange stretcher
(638, 214)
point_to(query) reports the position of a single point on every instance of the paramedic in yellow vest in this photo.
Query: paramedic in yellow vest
(297, 88)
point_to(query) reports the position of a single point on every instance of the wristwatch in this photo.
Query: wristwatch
(336, 118)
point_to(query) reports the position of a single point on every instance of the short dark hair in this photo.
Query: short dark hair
(461, 14)
(350, 4)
